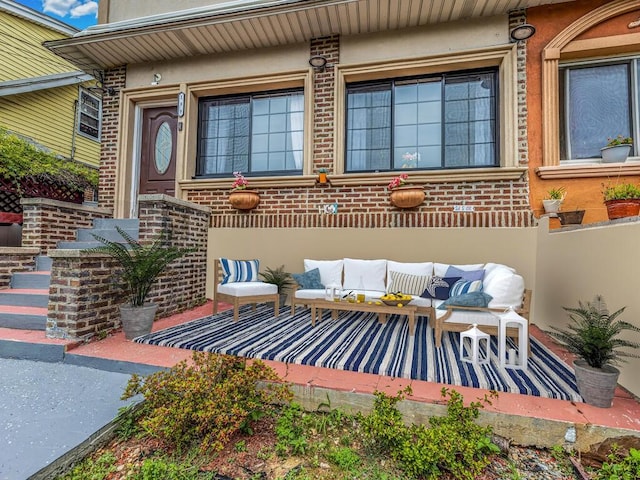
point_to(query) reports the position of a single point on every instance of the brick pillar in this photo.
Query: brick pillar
(323, 101)
(115, 78)
(518, 17)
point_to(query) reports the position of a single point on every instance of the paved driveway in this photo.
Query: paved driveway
(46, 409)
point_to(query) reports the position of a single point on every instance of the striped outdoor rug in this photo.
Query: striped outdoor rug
(357, 342)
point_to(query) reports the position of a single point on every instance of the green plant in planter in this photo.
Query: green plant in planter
(278, 277)
(141, 264)
(593, 336)
(592, 333)
(624, 191)
(556, 193)
(619, 140)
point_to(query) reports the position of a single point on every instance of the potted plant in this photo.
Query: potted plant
(322, 176)
(279, 278)
(617, 149)
(404, 195)
(553, 201)
(241, 197)
(141, 265)
(592, 335)
(622, 200)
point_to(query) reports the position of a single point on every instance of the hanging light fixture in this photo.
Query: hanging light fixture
(522, 32)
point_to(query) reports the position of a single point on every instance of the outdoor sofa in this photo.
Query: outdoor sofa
(459, 295)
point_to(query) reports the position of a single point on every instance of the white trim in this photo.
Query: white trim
(33, 84)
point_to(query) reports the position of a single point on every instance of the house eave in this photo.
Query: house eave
(28, 85)
(241, 25)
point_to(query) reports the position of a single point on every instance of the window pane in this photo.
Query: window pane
(368, 128)
(595, 113)
(251, 134)
(462, 106)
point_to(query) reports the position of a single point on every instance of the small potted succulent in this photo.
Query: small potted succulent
(553, 201)
(592, 336)
(617, 149)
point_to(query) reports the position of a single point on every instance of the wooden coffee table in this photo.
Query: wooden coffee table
(320, 304)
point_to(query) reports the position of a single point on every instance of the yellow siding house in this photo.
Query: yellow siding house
(43, 97)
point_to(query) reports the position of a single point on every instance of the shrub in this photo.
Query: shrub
(20, 159)
(206, 401)
(453, 443)
(620, 467)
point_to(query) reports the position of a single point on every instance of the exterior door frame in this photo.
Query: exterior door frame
(130, 145)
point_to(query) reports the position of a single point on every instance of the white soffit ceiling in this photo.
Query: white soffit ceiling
(242, 25)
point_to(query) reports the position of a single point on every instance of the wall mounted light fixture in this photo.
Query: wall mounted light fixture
(99, 87)
(318, 62)
(522, 32)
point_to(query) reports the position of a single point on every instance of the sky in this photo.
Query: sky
(77, 13)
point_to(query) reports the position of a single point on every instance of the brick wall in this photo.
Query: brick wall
(47, 222)
(518, 17)
(323, 101)
(499, 203)
(115, 78)
(84, 300)
(15, 259)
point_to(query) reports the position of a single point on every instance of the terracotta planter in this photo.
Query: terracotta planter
(244, 199)
(622, 208)
(615, 154)
(407, 197)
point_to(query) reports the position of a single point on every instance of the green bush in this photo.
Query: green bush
(290, 431)
(20, 159)
(98, 469)
(620, 467)
(206, 401)
(453, 443)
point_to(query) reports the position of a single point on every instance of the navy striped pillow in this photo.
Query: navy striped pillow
(239, 270)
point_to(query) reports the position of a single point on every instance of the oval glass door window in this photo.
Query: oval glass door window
(164, 144)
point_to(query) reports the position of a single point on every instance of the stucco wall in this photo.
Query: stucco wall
(575, 265)
(126, 9)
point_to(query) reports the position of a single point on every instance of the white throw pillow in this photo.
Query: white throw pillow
(420, 269)
(506, 288)
(440, 269)
(330, 270)
(371, 273)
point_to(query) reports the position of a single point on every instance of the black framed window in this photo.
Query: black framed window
(597, 102)
(257, 134)
(432, 122)
(89, 115)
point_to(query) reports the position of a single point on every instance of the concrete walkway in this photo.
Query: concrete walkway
(46, 409)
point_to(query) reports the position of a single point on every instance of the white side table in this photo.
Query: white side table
(513, 358)
(476, 352)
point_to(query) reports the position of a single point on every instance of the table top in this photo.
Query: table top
(366, 306)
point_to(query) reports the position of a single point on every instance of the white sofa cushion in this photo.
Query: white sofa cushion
(423, 268)
(506, 288)
(470, 317)
(368, 273)
(330, 270)
(309, 294)
(247, 289)
(440, 269)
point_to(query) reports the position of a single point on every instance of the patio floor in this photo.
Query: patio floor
(624, 414)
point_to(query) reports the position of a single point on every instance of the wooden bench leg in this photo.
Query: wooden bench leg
(276, 306)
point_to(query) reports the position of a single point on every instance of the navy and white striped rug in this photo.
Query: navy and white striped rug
(356, 341)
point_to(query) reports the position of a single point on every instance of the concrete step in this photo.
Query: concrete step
(40, 280)
(23, 318)
(43, 263)
(112, 223)
(25, 297)
(86, 234)
(78, 245)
